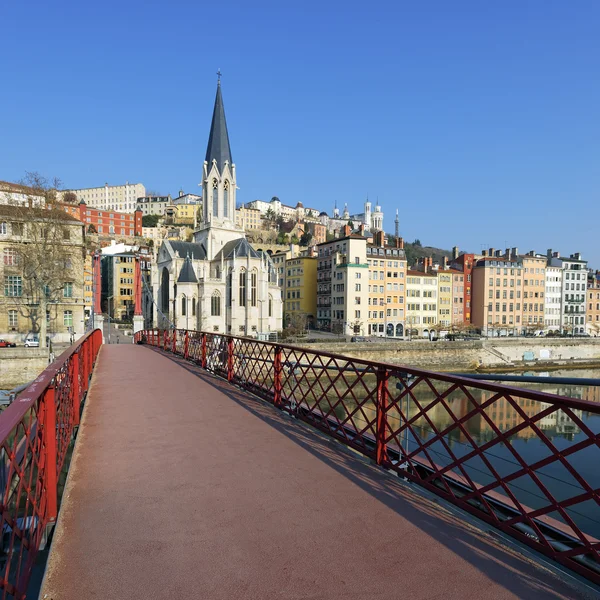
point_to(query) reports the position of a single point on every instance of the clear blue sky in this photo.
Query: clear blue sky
(480, 121)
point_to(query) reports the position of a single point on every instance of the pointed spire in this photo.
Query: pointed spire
(218, 141)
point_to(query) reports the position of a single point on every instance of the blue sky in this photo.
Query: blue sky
(479, 121)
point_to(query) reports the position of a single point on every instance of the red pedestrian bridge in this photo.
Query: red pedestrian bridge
(210, 466)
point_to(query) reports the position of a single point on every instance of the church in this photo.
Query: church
(218, 282)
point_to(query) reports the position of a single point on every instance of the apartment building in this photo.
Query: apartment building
(593, 304)
(105, 222)
(445, 288)
(553, 298)
(386, 287)
(498, 293)
(342, 285)
(121, 198)
(53, 241)
(153, 205)
(248, 218)
(534, 288)
(574, 287)
(465, 263)
(421, 303)
(458, 297)
(300, 292)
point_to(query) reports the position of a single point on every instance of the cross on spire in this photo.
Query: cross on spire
(219, 76)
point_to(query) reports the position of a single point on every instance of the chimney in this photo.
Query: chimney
(498, 253)
(484, 253)
(514, 252)
(399, 242)
(577, 256)
(379, 239)
(444, 262)
(507, 253)
(549, 253)
(492, 251)
(455, 253)
(361, 229)
(532, 253)
(346, 230)
(556, 255)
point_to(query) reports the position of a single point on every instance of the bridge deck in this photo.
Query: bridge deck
(184, 487)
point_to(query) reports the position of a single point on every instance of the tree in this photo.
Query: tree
(70, 198)
(92, 229)
(351, 224)
(270, 217)
(305, 238)
(49, 255)
(417, 242)
(294, 239)
(150, 220)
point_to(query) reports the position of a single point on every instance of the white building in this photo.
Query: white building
(342, 285)
(122, 198)
(218, 282)
(574, 286)
(16, 194)
(153, 205)
(421, 303)
(553, 298)
(289, 213)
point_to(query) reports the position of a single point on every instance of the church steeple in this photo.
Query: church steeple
(218, 141)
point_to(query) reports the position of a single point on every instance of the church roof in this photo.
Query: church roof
(241, 247)
(218, 140)
(187, 275)
(195, 251)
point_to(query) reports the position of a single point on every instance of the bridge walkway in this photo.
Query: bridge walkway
(182, 486)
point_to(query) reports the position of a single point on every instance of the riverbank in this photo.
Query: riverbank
(20, 365)
(486, 355)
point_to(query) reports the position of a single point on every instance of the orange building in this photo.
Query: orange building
(107, 221)
(593, 304)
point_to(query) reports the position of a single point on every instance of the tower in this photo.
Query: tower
(367, 220)
(397, 222)
(346, 214)
(218, 186)
(336, 211)
(377, 219)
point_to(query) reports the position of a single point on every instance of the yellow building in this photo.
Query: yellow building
(300, 292)
(534, 285)
(88, 285)
(41, 249)
(248, 218)
(421, 303)
(444, 304)
(387, 276)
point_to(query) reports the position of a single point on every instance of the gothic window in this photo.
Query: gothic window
(254, 279)
(243, 288)
(183, 307)
(270, 305)
(215, 198)
(225, 199)
(193, 307)
(229, 292)
(215, 305)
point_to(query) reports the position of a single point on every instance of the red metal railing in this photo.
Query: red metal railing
(521, 460)
(35, 432)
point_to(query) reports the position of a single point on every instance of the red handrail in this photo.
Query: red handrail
(35, 433)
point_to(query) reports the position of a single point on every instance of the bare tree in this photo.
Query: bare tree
(48, 253)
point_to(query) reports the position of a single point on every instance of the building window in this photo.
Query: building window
(13, 286)
(13, 319)
(215, 305)
(243, 288)
(270, 306)
(68, 318)
(215, 197)
(254, 278)
(3, 228)
(193, 307)
(68, 290)
(183, 307)
(226, 199)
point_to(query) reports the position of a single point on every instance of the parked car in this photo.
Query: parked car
(359, 338)
(7, 344)
(32, 341)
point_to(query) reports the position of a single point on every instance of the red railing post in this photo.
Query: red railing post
(186, 344)
(174, 342)
(382, 393)
(277, 376)
(230, 360)
(75, 388)
(204, 351)
(51, 476)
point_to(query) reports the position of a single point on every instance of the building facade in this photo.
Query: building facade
(120, 198)
(593, 304)
(387, 281)
(106, 222)
(342, 285)
(574, 287)
(553, 298)
(248, 219)
(153, 205)
(300, 289)
(534, 289)
(41, 249)
(421, 303)
(464, 263)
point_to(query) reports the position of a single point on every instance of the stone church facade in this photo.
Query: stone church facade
(218, 282)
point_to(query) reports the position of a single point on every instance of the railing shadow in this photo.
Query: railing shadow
(507, 567)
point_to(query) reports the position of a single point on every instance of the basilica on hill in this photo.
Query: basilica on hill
(218, 282)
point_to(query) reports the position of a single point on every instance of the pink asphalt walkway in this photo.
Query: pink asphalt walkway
(184, 487)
